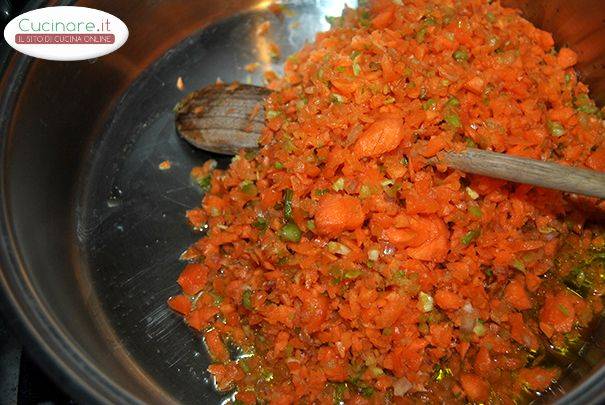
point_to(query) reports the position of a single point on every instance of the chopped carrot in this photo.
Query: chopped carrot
(193, 278)
(180, 84)
(532, 281)
(196, 217)
(380, 137)
(557, 314)
(483, 361)
(247, 398)
(165, 165)
(516, 295)
(567, 58)
(334, 368)
(263, 28)
(448, 300)
(180, 304)
(383, 19)
(216, 346)
(225, 375)
(432, 241)
(315, 308)
(596, 161)
(476, 85)
(251, 67)
(200, 317)
(337, 213)
(281, 342)
(538, 378)
(475, 387)
(521, 333)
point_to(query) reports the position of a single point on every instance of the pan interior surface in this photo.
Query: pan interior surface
(131, 224)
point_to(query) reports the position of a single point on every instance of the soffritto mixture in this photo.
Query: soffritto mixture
(340, 266)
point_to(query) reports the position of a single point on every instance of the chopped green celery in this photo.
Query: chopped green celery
(441, 372)
(472, 193)
(247, 300)
(288, 194)
(420, 35)
(470, 236)
(365, 191)
(351, 274)
(425, 302)
(429, 104)
(519, 265)
(337, 98)
(460, 55)
(475, 211)
(453, 120)
(273, 114)
(479, 328)
(453, 102)
(260, 222)
(290, 232)
(336, 247)
(555, 128)
(204, 183)
(248, 187)
(339, 184)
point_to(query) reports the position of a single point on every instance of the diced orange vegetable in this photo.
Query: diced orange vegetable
(180, 304)
(448, 300)
(483, 362)
(225, 374)
(196, 217)
(476, 85)
(557, 314)
(199, 318)
(216, 346)
(521, 333)
(567, 58)
(384, 19)
(338, 213)
(193, 278)
(516, 295)
(315, 309)
(380, 137)
(475, 387)
(538, 378)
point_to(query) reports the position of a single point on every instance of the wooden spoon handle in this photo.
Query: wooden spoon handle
(528, 171)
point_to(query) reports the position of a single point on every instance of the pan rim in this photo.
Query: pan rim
(67, 365)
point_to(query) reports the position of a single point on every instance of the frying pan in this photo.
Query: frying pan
(91, 230)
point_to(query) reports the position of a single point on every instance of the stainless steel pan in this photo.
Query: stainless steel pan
(91, 230)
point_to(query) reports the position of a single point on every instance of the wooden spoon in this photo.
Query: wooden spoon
(225, 119)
